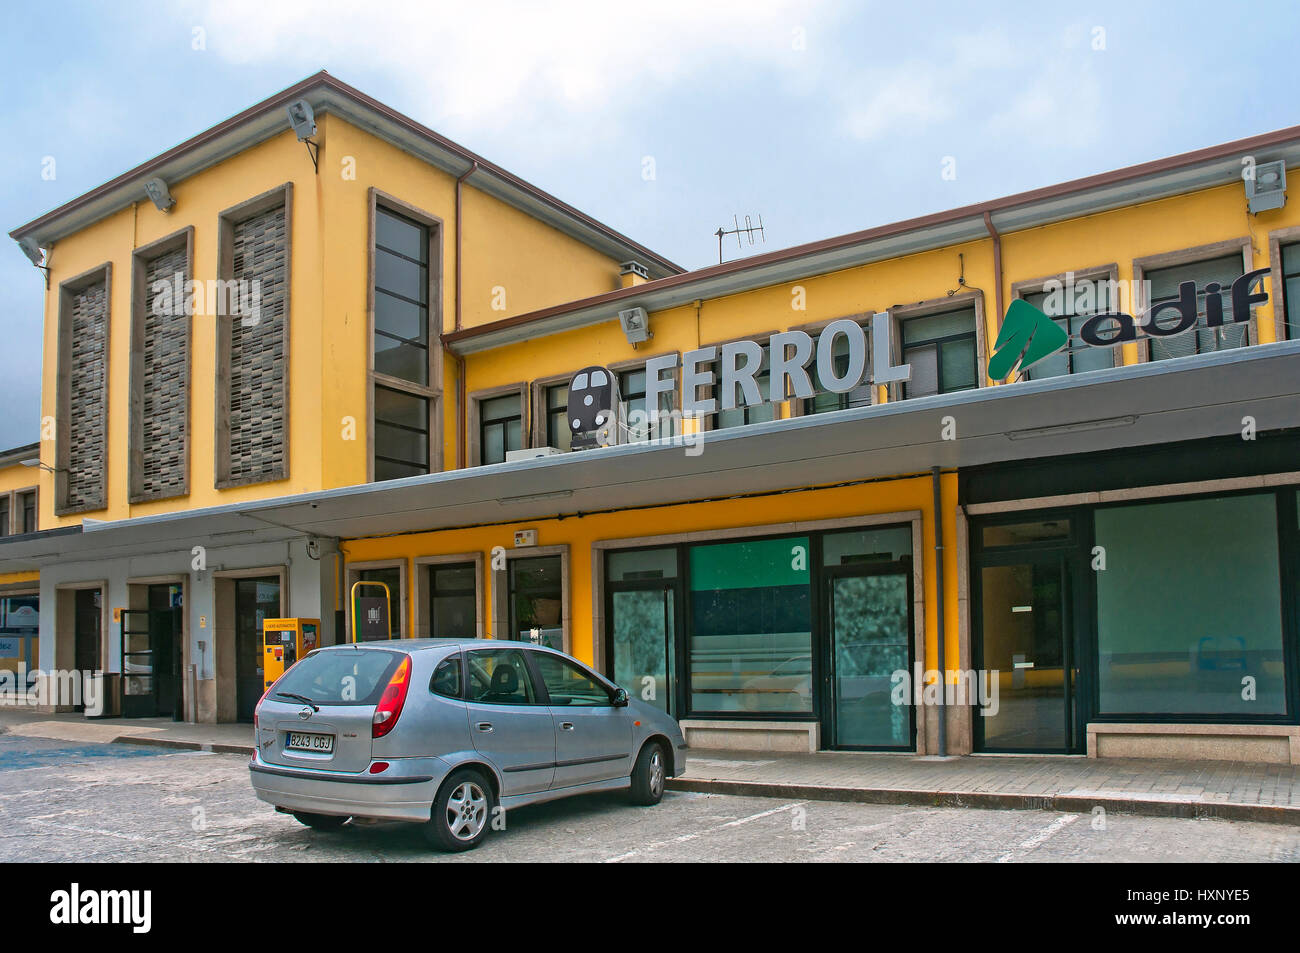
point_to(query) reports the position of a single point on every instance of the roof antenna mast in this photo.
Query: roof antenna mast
(749, 230)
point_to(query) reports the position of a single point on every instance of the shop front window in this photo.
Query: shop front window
(1189, 616)
(537, 601)
(750, 645)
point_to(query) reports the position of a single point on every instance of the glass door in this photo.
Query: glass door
(642, 608)
(1026, 646)
(256, 600)
(869, 618)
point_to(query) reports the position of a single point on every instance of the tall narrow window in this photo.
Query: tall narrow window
(558, 432)
(252, 350)
(453, 601)
(82, 424)
(941, 350)
(404, 398)
(1164, 287)
(501, 427)
(27, 512)
(160, 369)
(1290, 255)
(4, 515)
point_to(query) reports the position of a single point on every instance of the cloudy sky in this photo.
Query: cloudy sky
(823, 118)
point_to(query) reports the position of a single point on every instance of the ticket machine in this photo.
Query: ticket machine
(284, 641)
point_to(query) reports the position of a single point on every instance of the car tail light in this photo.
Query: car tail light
(390, 703)
(379, 767)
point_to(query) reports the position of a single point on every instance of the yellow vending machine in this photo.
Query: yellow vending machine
(285, 641)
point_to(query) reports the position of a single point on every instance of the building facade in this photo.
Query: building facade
(817, 497)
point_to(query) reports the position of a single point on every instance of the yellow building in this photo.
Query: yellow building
(803, 492)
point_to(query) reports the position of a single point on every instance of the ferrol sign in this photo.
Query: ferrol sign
(792, 356)
(1028, 335)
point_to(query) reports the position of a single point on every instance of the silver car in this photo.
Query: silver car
(449, 733)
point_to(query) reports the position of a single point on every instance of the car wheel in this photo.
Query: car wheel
(649, 774)
(320, 822)
(462, 812)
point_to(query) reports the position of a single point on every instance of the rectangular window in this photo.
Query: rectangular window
(391, 576)
(453, 601)
(4, 515)
(558, 432)
(750, 639)
(827, 400)
(537, 601)
(1290, 255)
(1202, 340)
(640, 426)
(501, 427)
(1190, 607)
(401, 334)
(252, 351)
(81, 479)
(401, 434)
(753, 414)
(941, 350)
(1070, 308)
(27, 512)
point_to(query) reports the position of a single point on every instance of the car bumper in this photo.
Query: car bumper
(404, 792)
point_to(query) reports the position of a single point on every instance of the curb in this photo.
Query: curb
(1061, 803)
(215, 747)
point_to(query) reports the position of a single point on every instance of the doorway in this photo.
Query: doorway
(256, 600)
(1025, 599)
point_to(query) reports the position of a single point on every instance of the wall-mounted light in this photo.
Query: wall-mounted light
(635, 324)
(1266, 188)
(158, 194)
(35, 462)
(36, 255)
(302, 120)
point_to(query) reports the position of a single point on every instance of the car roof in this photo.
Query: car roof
(420, 645)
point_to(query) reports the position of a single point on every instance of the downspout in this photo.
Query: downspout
(997, 263)
(940, 659)
(461, 394)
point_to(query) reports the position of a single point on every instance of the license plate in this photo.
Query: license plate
(304, 741)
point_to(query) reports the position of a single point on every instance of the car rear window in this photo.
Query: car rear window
(339, 676)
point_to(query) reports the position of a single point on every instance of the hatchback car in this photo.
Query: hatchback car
(447, 733)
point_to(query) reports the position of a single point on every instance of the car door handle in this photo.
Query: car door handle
(485, 726)
(566, 726)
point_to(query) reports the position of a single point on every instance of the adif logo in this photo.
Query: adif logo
(75, 906)
(1027, 336)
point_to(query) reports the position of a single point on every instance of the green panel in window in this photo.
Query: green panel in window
(751, 564)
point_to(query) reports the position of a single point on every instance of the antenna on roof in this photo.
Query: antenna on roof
(749, 230)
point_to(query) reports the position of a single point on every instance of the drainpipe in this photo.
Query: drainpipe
(997, 262)
(461, 395)
(939, 613)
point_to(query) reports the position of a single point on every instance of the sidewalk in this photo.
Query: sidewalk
(1222, 789)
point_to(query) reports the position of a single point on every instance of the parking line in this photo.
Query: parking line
(709, 830)
(1057, 825)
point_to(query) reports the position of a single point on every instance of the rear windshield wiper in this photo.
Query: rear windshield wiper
(302, 698)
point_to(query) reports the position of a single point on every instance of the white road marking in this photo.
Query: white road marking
(1057, 825)
(710, 830)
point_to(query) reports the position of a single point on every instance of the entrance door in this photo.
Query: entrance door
(869, 620)
(165, 627)
(256, 600)
(1024, 615)
(642, 621)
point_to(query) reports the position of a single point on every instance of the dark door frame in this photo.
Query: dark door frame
(676, 629)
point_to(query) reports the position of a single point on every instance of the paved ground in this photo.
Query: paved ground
(95, 801)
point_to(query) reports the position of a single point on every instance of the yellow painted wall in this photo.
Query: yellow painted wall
(897, 496)
(329, 349)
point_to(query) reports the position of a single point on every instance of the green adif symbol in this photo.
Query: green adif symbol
(1027, 336)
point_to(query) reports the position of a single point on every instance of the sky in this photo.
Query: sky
(661, 120)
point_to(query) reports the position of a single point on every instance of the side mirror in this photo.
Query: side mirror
(620, 698)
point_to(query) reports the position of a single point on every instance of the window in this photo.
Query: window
(341, 676)
(446, 679)
(826, 400)
(941, 350)
(751, 620)
(82, 439)
(392, 577)
(566, 684)
(453, 601)
(755, 413)
(501, 427)
(558, 432)
(640, 428)
(401, 434)
(4, 515)
(253, 341)
(1085, 298)
(1194, 610)
(1290, 255)
(404, 395)
(536, 593)
(1202, 340)
(27, 512)
(499, 677)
